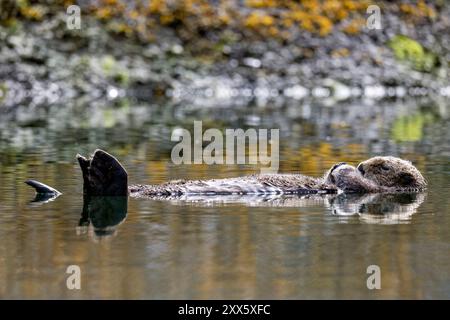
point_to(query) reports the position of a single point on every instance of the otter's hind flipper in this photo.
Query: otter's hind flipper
(103, 175)
(42, 188)
(44, 193)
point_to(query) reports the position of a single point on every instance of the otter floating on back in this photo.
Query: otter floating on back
(103, 175)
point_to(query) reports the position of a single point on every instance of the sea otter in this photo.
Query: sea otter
(378, 175)
(103, 175)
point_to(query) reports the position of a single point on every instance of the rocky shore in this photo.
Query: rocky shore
(43, 62)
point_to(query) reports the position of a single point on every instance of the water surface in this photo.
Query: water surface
(275, 248)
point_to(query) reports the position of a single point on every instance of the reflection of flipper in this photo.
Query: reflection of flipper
(105, 213)
(44, 193)
(44, 198)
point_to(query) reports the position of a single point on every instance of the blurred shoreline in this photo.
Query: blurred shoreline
(259, 59)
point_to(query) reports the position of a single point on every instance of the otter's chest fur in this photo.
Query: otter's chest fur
(252, 184)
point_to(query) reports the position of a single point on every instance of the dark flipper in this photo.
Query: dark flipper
(44, 193)
(42, 188)
(103, 175)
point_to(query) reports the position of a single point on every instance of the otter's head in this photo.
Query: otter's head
(392, 172)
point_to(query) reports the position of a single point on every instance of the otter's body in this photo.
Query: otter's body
(397, 176)
(263, 184)
(103, 175)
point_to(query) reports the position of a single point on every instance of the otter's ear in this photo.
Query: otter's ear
(406, 179)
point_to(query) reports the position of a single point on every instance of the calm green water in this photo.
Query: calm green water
(238, 248)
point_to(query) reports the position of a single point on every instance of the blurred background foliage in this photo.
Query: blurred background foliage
(196, 49)
(266, 18)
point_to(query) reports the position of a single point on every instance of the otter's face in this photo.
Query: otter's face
(392, 172)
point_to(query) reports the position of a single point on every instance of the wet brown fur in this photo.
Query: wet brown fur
(104, 175)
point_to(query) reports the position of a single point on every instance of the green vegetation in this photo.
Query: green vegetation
(113, 70)
(411, 51)
(410, 128)
(2, 91)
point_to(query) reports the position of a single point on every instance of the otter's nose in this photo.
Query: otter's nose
(361, 169)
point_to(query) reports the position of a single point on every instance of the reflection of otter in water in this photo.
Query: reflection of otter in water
(103, 175)
(384, 208)
(377, 207)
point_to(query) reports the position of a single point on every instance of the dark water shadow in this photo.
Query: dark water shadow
(103, 213)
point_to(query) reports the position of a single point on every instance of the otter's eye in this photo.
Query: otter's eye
(384, 167)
